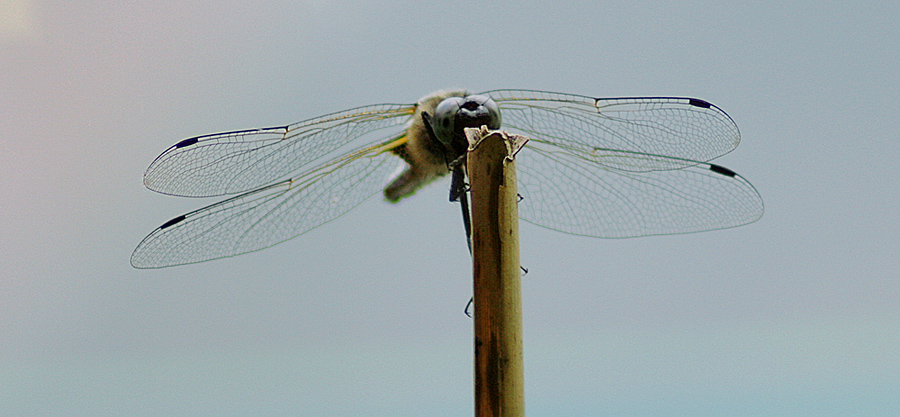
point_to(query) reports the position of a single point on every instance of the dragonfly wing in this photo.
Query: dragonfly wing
(235, 162)
(584, 194)
(682, 128)
(272, 214)
(625, 167)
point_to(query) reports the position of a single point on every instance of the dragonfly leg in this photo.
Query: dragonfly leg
(467, 221)
(458, 184)
(458, 191)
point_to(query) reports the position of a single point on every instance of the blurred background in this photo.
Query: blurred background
(796, 314)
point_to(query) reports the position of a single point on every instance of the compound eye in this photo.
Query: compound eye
(483, 109)
(445, 118)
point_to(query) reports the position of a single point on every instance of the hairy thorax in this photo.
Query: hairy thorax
(424, 159)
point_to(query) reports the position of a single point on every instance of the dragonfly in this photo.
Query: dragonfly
(616, 167)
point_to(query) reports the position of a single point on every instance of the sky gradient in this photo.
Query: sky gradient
(796, 314)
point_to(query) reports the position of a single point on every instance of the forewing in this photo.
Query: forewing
(585, 194)
(235, 162)
(271, 214)
(682, 128)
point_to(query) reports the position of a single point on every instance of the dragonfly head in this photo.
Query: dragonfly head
(455, 114)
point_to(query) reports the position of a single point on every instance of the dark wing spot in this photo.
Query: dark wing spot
(696, 102)
(722, 170)
(172, 222)
(186, 142)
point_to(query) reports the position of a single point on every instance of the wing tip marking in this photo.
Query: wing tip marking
(696, 102)
(186, 142)
(722, 170)
(172, 222)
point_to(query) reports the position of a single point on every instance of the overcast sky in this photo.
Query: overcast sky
(796, 314)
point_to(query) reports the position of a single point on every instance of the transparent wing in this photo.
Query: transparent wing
(580, 194)
(271, 214)
(684, 128)
(625, 167)
(235, 162)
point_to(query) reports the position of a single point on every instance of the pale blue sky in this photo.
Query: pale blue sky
(796, 314)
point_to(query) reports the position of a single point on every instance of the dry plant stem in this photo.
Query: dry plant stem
(499, 385)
